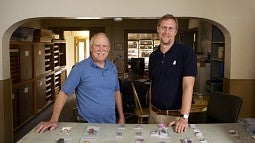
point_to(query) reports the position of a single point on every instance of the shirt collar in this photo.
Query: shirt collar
(93, 64)
(172, 49)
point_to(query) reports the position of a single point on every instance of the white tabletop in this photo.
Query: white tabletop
(212, 133)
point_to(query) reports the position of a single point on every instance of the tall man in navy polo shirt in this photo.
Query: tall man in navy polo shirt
(172, 70)
(96, 85)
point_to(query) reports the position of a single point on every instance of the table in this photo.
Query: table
(213, 133)
(200, 103)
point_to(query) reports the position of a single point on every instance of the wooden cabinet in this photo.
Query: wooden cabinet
(39, 58)
(40, 93)
(22, 103)
(37, 72)
(26, 66)
(26, 103)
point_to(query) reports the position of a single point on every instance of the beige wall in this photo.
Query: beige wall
(237, 18)
(246, 89)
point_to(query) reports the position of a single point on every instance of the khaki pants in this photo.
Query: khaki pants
(161, 119)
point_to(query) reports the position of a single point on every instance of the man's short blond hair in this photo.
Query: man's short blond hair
(166, 17)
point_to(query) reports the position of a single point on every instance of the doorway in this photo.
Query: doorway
(77, 47)
(81, 48)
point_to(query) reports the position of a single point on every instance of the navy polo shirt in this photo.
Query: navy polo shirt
(166, 72)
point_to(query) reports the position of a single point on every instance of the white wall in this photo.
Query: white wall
(236, 16)
(70, 50)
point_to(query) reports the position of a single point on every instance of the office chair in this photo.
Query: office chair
(222, 108)
(139, 110)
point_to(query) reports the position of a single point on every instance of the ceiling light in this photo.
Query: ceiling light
(118, 19)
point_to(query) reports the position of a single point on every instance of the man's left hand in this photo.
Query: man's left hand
(181, 125)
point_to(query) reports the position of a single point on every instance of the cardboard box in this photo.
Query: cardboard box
(43, 32)
(42, 35)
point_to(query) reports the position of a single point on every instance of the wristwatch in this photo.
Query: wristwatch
(184, 116)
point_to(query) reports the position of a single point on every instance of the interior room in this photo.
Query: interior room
(235, 78)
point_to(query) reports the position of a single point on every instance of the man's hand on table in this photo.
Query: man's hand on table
(122, 120)
(181, 125)
(46, 126)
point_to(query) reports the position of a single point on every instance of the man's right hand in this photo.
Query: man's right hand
(46, 126)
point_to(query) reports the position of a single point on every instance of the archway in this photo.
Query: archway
(39, 23)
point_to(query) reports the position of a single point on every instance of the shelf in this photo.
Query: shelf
(149, 47)
(219, 77)
(217, 60)
(145, 42)
(132, 44)
(214, 85)
(33, 68)
(47, 48)
(144, 53)
(219, 42)
(48, 54)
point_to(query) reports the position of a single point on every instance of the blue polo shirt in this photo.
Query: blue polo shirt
(166, 72)
(94, 88)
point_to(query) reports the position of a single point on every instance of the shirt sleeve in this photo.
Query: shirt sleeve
(117, 85)
(72, 81)
(190, 63)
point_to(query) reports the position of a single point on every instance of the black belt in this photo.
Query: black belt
(166, 112)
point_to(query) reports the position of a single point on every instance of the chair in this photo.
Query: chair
(222, 108)
(139, 110)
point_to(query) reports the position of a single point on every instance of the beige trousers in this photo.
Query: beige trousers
(154, 118)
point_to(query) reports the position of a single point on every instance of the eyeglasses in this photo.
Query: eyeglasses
(165, 28)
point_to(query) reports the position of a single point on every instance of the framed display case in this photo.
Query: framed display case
(132, 49)
(141, 45)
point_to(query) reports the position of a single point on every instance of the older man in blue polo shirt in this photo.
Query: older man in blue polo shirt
(172, 70)
(96, 85)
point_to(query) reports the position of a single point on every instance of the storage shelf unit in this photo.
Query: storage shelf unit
(48, 58)
(14, 64)
(37, 72)
(217, 62)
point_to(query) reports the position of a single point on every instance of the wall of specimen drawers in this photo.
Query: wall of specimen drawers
(37, 72)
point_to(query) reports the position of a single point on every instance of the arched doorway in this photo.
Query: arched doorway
(110, 31)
